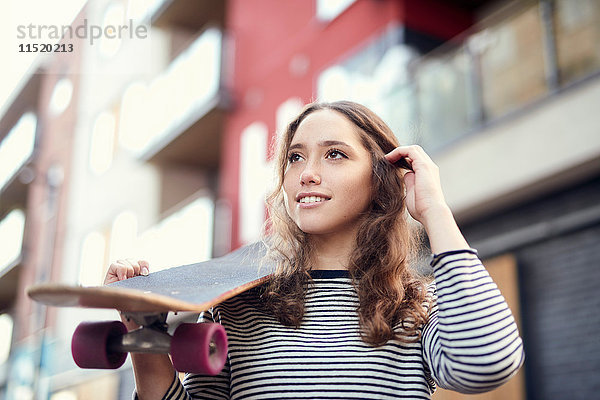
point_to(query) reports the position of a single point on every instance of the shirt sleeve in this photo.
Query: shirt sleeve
(175, 391)
(470, 342)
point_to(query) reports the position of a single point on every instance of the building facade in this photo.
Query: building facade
(159, 146)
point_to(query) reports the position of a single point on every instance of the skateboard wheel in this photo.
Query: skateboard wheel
(199, 348)
(89, 345)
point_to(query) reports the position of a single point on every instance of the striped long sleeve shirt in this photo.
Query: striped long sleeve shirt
(470, 344)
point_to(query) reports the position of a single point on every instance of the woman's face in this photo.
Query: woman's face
(327, 183)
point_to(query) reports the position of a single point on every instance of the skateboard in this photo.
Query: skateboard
(147, 300)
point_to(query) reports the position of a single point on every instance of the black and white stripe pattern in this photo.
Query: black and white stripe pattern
(470, 344)
(471, 340)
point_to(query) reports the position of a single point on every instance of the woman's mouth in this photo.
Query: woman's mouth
(312, 199)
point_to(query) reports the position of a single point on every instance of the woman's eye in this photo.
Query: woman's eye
(294, 157)
(336, 154)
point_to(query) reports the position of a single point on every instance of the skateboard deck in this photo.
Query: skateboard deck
(200, 348)
(195, 287)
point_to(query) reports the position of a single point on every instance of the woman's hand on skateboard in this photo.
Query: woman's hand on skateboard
(125, 269)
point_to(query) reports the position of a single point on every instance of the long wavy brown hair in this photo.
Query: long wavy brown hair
(390, 294)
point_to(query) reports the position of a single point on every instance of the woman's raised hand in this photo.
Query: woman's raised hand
(424, 196)
(425, 201)
(125, 269)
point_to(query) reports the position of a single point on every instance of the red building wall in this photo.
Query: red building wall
(280, 47)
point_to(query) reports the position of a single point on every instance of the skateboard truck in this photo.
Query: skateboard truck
(197, 348)
(151, 337)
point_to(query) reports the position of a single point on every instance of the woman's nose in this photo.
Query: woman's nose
(310, 175)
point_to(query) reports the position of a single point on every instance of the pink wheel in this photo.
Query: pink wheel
(199, 348)
(89, 345)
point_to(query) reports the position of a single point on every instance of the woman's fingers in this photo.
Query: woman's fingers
(410, 154)
(144, 267)
(125, 269)
(423, 187)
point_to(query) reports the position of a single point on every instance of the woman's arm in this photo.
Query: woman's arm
(470, 342)
(194, 386)
(154, 373)
(155, 376)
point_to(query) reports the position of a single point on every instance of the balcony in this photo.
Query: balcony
(194, 141)
(503, 66)
(519, 89)
(507, 63)
(177, 118)
(497, 106)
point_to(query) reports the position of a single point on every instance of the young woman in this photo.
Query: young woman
(344, 315)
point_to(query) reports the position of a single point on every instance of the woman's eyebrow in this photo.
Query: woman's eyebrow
(296, 146)
(324, 143)
(329, 143)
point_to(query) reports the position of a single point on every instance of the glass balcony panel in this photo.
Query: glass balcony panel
(577, 28)
(379, 76)
(445, 98)
(398, 109)
(512, 63)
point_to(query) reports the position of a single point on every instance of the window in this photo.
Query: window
(512, 66)
(12, 228)
(444, 97)
(133, 127)
(17, 147)
(330, 9)
(123, 235)
(102, 143)
(254, 180)
(6, 331)
(577, 25)
(114, 16)
(183, 237)
(93, 262)
(378, 76)
(287, 111)
(61, 96)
